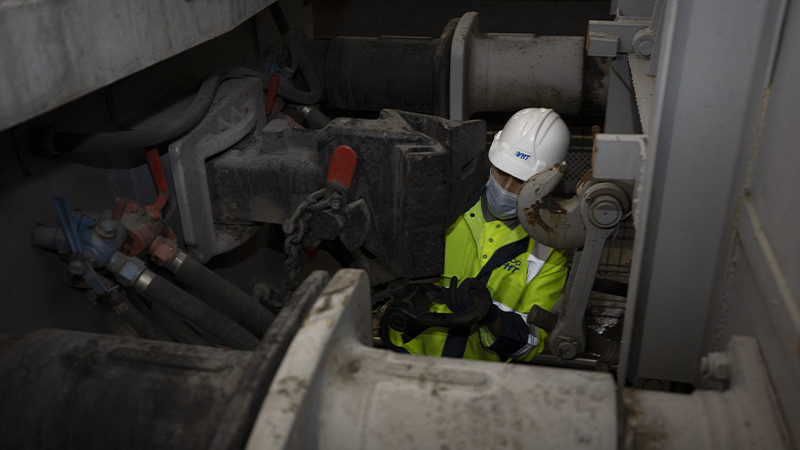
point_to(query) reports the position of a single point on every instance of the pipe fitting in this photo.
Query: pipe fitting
(126, 269)
(177, 261)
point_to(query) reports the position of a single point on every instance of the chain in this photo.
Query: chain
(295, 229)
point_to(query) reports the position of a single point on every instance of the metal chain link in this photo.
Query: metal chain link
(295, 228)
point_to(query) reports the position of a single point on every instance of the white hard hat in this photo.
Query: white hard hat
(532, 140)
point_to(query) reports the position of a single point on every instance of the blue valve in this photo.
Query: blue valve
(69, 225)
(74, 225)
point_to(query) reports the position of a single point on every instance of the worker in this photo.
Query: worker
(488, 251)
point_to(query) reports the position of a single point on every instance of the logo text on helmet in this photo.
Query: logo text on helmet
(522, 156)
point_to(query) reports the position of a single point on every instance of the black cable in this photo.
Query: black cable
(279, 17)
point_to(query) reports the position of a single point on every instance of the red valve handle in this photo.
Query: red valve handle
(274, 81)
(158, 176)
(342, 165)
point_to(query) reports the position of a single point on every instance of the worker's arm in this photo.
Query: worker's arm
(506, 330)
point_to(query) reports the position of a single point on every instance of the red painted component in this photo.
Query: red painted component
(158, 176)
(143, 226)
(163, 250)
(342, 165)
(274, 81)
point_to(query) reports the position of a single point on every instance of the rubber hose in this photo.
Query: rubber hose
(136, 320)
(184, 304)
(175, 326)
(314, 117)
(139, 138)
(290, 93)
(238, 305)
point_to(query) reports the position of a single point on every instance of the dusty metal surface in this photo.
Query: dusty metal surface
(65, 389)
(508, 72)
(55, 52)
(333, 390)
(414, 173)
(746, 415)
(235, 115)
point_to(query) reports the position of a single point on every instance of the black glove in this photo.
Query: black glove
(471, 295)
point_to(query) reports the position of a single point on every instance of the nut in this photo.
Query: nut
(126, 268)
(106, 229)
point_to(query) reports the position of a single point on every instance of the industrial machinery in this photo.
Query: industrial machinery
(202, 198)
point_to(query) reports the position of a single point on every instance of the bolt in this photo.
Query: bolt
(643, 43)
(716, 366)
(106, 229)
(262, 292)
(77, 267)
(567, 350)
(336, 202)
(605, 211)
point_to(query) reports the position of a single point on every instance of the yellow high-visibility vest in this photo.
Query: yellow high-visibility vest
(535, 276)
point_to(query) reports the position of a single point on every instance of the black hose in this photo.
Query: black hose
(184, 304)
(175, 325)
(139, 323)
(286, 88)
(133, 141)
(315, 119)
(138, 139)
(238, 305)
(279, 17)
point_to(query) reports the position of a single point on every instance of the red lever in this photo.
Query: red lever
(158, 176)
(274, 81)
(342, 166)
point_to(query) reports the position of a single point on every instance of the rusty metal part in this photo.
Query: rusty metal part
(552, 221)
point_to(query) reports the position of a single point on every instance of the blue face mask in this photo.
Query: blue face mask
(501, 203)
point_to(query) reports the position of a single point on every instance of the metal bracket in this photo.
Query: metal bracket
(623, 35)
(237, 112)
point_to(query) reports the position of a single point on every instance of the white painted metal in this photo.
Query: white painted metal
(54, 52)
(745, 416)
(617, 156)
(509, 72)
(333, 390)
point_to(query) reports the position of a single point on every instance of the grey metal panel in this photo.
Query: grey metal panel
(762, 295)
(714, 58)
(633, 8)
(774, 181)
(621, 115)
(54, 51)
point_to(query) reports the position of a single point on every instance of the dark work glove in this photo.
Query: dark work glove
(472, 293)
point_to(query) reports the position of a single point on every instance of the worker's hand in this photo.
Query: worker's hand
(462, 297)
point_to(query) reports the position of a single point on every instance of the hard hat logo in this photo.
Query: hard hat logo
(522, 156)
(531, 141)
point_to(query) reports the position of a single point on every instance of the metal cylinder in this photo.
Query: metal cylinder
(462, 72)
(387, 72)
(64, 389)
